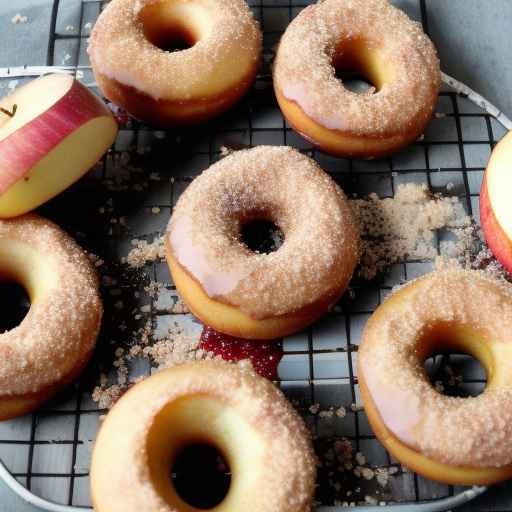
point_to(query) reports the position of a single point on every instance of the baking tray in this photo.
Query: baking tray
(48, 452)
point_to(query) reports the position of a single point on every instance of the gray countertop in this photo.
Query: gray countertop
(472, 37)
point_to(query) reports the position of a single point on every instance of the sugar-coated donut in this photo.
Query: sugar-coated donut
(253, 295)
(380, 42)
(451, 439)
(261, 437)
(182, 87)
(57, 336)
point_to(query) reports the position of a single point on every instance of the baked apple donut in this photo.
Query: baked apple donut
(261, 437)
(376, 40)
(257, 295)
(57, 336)
(164, 88)
(451, 439)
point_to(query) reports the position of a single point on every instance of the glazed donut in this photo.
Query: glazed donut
(451, 439)
(181, 87)
(375, 39)
(262, 438)
(256, 295)
(56, 338)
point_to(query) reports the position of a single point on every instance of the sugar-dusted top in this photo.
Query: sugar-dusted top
(474, 431)
(60, 329)
(321, 241)
(304, 71)
(282, 478)
(229, 46)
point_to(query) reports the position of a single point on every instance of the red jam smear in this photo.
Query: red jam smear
(265, 355)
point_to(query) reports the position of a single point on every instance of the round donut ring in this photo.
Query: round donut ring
(181, 87)
(264, 441)
(57, 336)
(252, 295)
(380, 42)
(450, 439)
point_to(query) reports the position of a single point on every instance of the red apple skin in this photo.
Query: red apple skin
(496, 239)
(22, 149)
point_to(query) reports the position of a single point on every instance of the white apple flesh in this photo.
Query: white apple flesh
(59, 130)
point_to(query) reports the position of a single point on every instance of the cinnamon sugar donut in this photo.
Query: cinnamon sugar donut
(171, 88)
(56, 338)
(261, 437)
(255, 295)
(451, 439)
(380, 42)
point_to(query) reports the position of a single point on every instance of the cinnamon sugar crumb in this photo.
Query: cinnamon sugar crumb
(404, 226)
(144, 252)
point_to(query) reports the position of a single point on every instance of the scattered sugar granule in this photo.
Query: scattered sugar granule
(341, 412)
(79, 74)
(382, 476)
(360, 459)
(225, 151)
(326, 414)
(176, 348)
(155, 210)
(19, 18)
(144, 252)
(401, 227)
(88, 26)
(70, 28)
(66, 58)
(367, 473)
(179, 308)
(153, 289)
(440, 115)
(106, 396)
(313, 409)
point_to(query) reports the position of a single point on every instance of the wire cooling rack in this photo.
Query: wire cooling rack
(122, 199)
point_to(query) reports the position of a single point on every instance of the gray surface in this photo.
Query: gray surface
(471, 38)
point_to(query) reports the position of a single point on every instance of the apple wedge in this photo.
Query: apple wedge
(52, 131)
(495, 203)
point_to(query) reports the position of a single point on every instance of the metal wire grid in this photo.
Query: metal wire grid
(49, 450)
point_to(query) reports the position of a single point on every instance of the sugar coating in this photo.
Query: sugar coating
(403, 226)
(285, 483)
(282, 185)
(59, 331)
(119, 49)
(304, 70)
(474, 431)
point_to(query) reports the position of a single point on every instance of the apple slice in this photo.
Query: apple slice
(52, 131)
(495, 203)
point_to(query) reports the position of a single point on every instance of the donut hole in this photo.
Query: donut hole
(360, 69)
(261, 235)
(200, 451)
(201, 462)
(456, 359)
(456, 374)
(173, 26)
(16, 303)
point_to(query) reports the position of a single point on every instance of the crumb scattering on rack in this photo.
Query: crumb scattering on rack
(19, 19)
(404, 226)
(144, 252)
